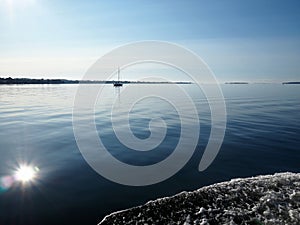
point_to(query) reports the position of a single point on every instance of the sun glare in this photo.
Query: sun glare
(26, 173)
(13, 7)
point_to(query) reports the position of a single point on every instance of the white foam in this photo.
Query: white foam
(269, 199)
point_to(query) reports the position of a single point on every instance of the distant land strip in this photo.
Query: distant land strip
(293, 82)
(236, 82)
(10, 80)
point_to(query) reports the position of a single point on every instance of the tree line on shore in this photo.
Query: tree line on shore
(10, 80)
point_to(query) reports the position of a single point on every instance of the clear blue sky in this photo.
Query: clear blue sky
(239, 40)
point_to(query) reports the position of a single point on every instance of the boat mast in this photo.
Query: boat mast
(118, 83)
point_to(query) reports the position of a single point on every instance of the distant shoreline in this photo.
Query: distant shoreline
(10, 80)
(236, 82)
(65, 81)
(294, 82)
(242, 83)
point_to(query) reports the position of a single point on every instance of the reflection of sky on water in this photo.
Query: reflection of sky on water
(36, 129)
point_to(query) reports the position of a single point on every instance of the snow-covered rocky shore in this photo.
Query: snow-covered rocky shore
(271, 199)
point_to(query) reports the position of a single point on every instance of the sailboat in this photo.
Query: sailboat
(118, 83)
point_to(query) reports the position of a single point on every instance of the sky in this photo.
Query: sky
(250, 40)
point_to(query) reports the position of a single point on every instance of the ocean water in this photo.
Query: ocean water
(262, 137)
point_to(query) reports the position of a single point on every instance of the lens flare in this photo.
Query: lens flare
(26, 173)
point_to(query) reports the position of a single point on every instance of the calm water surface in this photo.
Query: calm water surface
(262, 137)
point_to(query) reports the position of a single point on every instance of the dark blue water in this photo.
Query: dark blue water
(262, 137)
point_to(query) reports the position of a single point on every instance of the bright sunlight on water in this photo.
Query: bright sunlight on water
(26, 173)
